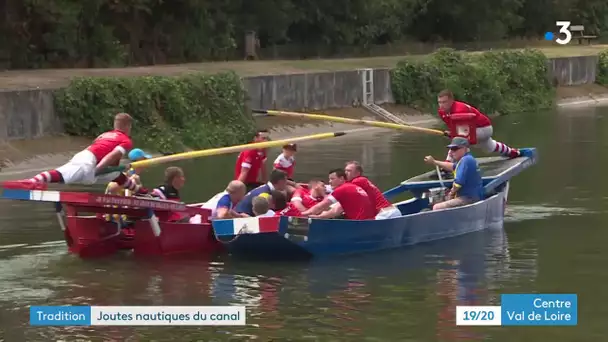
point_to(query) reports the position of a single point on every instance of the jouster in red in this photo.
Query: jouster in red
(375, 195)
(460, 108)
(355, 202)
(252, 159)
(108, 142)
(285, 164)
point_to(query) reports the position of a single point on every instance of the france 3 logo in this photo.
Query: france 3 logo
(564, 29)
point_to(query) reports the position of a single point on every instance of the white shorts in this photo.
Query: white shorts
(388, 213)
(81, 170)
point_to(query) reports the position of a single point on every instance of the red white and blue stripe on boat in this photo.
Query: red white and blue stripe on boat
(44, 196)
(85, 198)
(246, 225)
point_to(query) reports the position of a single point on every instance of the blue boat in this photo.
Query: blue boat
(295, 238)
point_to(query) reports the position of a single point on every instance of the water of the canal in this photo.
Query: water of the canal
(553, 241)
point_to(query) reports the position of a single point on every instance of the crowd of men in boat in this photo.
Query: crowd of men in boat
(349, 193)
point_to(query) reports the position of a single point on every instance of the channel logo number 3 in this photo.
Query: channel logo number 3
(563, 29)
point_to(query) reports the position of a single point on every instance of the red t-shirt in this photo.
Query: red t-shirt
(459, 108)
(354, 201)
(375, 195)
(254, 160)
(303, 196)
(285, 164)
(108, 142)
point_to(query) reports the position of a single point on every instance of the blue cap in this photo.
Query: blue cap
(459, 142)
(137, 154)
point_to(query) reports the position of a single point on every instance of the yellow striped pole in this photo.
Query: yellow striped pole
(348, 121)
(220, 150)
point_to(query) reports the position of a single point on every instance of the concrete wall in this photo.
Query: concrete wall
(315, 91)
(573, 70)
(29, 114)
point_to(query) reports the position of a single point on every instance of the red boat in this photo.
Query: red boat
(146, 231)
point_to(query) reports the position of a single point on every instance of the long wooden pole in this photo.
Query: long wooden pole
(348, 121)
(221, 150)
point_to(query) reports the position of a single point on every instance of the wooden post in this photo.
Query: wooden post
(252, 43)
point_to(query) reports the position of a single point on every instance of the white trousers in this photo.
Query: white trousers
(81, 170)
(388, 213)
(484, 140)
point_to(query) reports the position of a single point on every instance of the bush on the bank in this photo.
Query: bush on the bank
(602, 69)
(170, 113)
(503, 82)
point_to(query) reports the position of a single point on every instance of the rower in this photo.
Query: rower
(261, 206)
(278, 181)
(114, 189)
(222, 204)
(467, 187)
(250, 164)
(346, 198)
(484, 130)
(106, 150)
(134, 156)
(305, 198)
(384, 209)
(169, 191)
(277, 200)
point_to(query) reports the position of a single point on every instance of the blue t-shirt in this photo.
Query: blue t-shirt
(224, 202)
(245, 205)
(468, 176)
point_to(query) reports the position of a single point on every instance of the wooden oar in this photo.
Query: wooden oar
(221, 150)
(348, 121)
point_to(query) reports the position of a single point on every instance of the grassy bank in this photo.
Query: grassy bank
(54, 78)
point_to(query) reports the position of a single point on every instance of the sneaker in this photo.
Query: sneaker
(526, 152)
(515, 153)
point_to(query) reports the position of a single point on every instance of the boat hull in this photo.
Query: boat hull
(298, 238)
(94, 237)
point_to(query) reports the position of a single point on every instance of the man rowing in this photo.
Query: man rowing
(484, 130)
(222, 204)
(106, 150)
(250, 165)
(346, 198)
(278, 181)
(135, 155)
(169, 191)
(468, 186)
(305, 198)
(384, 209)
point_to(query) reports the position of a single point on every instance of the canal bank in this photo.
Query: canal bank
(27, 113)
(32, 128)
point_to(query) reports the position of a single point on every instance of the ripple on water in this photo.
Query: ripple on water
(516, 213)
(24, 277)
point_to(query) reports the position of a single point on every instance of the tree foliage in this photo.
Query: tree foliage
(98, 33)
(171, 113)
(496, 82)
